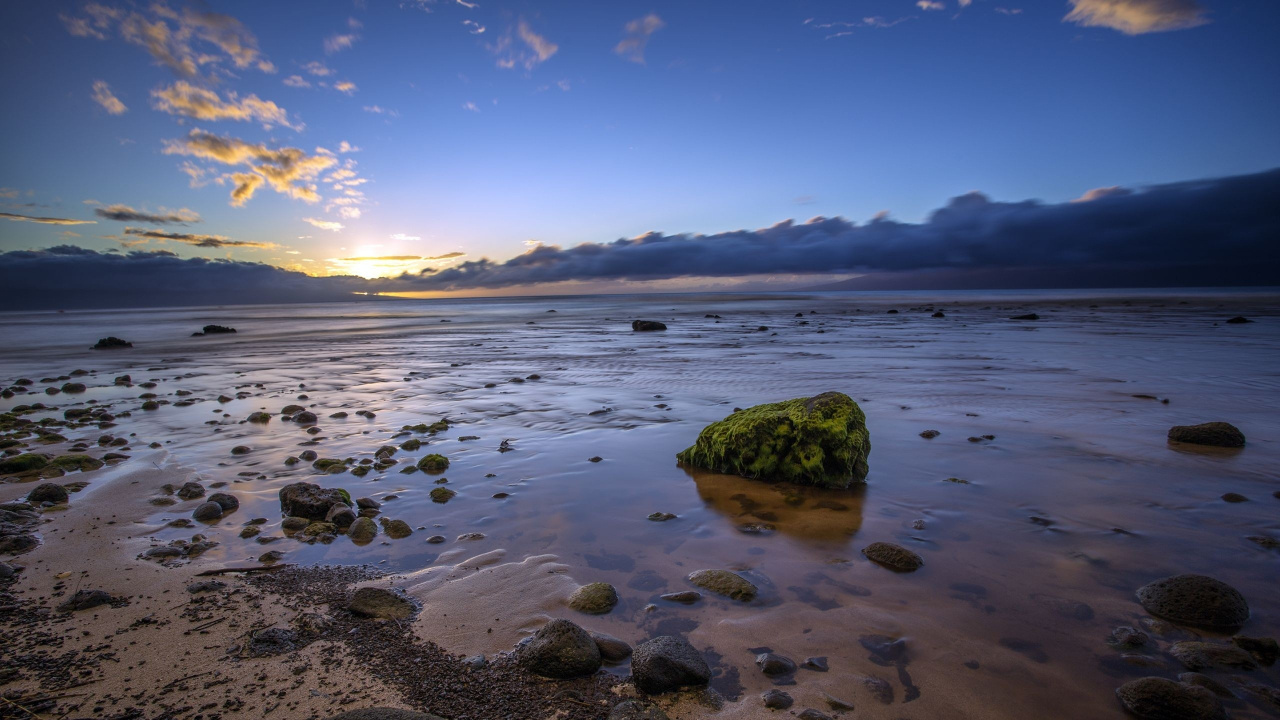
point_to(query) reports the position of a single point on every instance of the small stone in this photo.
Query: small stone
(1234, 498)
(1216, 434)
(442, 494)
(207, 511)
(380, 603)
(85, 600)
(776, 699)
(48, 492)
(1195, 600)
(818, 664)
(595, 598)
(636, 710)
(271, 556)
(362, 530)
(661, 516)
(1196, 655)
(560, 649)
(396, 529)
(1265, 650)
(612, 649)
(668, 663)
(725, 583)
(774, 664)
(1155, 698)
(1127, 637)
(228, 503)
(930, 434)
(191, 491)
(688, 597)
(894, 557)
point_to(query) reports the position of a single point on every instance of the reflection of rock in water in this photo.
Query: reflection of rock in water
(805, 512)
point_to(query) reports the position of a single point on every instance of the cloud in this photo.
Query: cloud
(473, 27)
(8, 193)
(535, 51)
(102, 95)
(1136, 17)
(325, 224)
(346, 147)
(245, 185)
(296, 81)
(470, 106)
(183, 98)
(1199, 231)
(289, 171)
(637, 37)
(1103, 192)
(349, 213)
(338, 42)
(124, 213)
(379, 110)
(930, 5)
(46, 220)
(317, 68)
(404, 237)
(446, 256)
(346, 86)
(384, 258)
(180, 40)
(204, 241)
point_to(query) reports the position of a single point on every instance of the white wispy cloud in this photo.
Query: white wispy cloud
(325, 224)
(109, 102)
(296, 81)
(183, 98)
(930, 5)
(531, 50)
(45, 220)
(638, 31)
(289, 171)
(346, 86)
(1137, 17)
(338, 42)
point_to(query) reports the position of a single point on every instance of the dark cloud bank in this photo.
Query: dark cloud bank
(1220, 231)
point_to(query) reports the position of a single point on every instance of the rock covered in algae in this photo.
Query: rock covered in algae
(822, 440)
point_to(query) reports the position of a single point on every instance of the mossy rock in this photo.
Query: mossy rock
(320, 528)
(435, 462)
(25, 462)
(77, 462)
(822, 440)
(362, 531)
(396, 529)
(595, 598)
(330, 465)
(151, 405)
(411, 445)
(442, 494)
(724, 582)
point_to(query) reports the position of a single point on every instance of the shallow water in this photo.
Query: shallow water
(1076, 503)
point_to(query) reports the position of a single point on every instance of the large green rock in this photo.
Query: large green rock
(821, 440)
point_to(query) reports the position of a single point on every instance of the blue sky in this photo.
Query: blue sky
(568, 123)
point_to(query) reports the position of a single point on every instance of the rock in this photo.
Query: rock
(258, 417)
(310, 501)
(1206, 682)
(930, 434)
(1265, 650)
(362, 530)
(1195, 600)
(227, 502)
(306, 417)
(822, 440)
(879, 688)
(810, 713)
(774, 664)
(48, 492)
(291, 409)
(217, 329)
(85, 600)
(688, 597)
(207, 511)
(560, 649)
(894, 557)
(611, 648)
(647, 325)
(341, 515)
(367, 504)
(111, 343)
(667, 663)
(202, 586)
(436, 539)
(1127, 637)
(725, 583)
(776, 699)
(191, 491)
(1196, 655)
(1155, 698)
(636, 710)
(1217, 434)
(83, 463)
(476, 662)
(817, 664)
(294, 524)
(383, 713)
(380, 603)
(25, 462)
(312, 623)
(1234, 498)
(595, 598)
(661, 516)
(837, 704)
(1028, 316)
(271, 641)
(434, 463)
(1239, 320)
(271, 556)
(396, 529)
(241, 450)
(442, 494)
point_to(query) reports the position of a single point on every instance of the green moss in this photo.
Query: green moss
(151, 405)
(23, 463)
(330, 465)
(442, 494)
(821, 441)
(435, 462)
(77, 462)
(346, 497)
(411, 444)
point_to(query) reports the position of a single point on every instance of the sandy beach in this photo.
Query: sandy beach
(1047, 496)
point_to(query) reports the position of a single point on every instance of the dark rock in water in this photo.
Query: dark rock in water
(647, 325)
(1206, 682)
(1155, 698)
(810, 713)
(560, 649)
(207, 511)
(48, 492)
(383, 713)
(1265, 650)
(661, 516)
(340, 515)
(879, 688)
(595, 598)
(86, 599)
(1217, 434)
(688, 597)
(930, 434)
(939, 314)
(774, 664)
(636, 710)
(668, 663)
(837, 704)
(25, 462)
(611, 648)
(271, 641)
(380, 603)
(396, 529)
(367, 503)
(1196, 655)
(310, 501)
(1239, 320)
(362, 530)
(1195, 600)
(241, 450)
(258, 417)
(434, 463)
(436, 539)
(217, 329)
(227, 502)
(294, 524)
(441, 494)
(1234, 498)
(111, 343)
(191, 491)
(894, 557)
(818, 664)
(17, 544)
(1127, 637)
(723, 582)
(1028, 316)
(822, 440)
(776, 699)
(306, 417)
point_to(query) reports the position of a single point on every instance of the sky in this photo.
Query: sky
(495, 146)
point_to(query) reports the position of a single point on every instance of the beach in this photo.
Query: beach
(1049, 494)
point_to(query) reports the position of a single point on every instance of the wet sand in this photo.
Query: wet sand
(1029, 563)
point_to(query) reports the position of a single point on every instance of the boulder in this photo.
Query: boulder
(434, 463)
(636, 710)
(396, 529)
(207, 511)
(774, 664)
(776, 699)
(48, 492)
(23, 463)
(724, 583)
(1196, 655)
(86, 599)
(111, 343)
(362, 530)
(1265, 650)
(379, 603)
(822, 440)
(1217, 434)
(191, 491)
(306, 417)
(1156, 698)
(612, 649)
(894, 557)
(340, 514)
(560, 649)
(668, 663)
(595, 598)
(310, 501)
(1195, 600)
(647, 326)
(216, 329)
(228, 502)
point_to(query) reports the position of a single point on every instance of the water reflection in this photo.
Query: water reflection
(756, 506)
